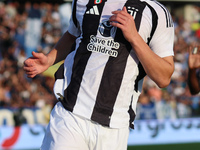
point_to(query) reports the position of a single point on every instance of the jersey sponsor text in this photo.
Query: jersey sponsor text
(103, 46)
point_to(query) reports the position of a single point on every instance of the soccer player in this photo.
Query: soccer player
(194, 70)
(110, 46)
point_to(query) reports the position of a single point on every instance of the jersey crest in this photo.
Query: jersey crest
(97, 1)
(106, 29)
(132, 11)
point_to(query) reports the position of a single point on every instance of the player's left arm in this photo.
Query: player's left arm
(158, 69)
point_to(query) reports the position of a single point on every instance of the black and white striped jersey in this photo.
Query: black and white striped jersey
(102, 77)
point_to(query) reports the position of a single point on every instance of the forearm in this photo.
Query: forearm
(61, 49)
(193, 82)
(158, 69)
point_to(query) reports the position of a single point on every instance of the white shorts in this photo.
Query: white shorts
(67, 131)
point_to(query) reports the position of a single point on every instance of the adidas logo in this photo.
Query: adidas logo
(93, 11)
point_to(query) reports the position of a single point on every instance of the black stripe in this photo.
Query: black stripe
(80, 61)
(171, 23)
(132, 115)
(74, 13)
(154, 23)
(91, 22)
(166, 14)
(60, 72)
(170, 20)
(111, 82)
(82, 56)
(113, 73)
(141, 75)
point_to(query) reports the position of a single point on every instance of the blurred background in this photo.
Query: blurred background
(167, 118)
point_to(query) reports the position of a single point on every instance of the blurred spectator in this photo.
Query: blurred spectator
(146, 109)
(194, 70)
(16, 90)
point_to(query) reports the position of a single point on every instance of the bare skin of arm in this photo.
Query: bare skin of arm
(40, 62)
(158, 69)
(194, 64)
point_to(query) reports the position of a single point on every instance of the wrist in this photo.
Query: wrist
(136, 40)
(49, 60)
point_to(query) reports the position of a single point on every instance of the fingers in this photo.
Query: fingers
(117, 23)
(120, 18)
(31, 75)
(29, 68)
(30, 71)
(193, 50)
(37, 55)
(124, 9)
(117, 20)
(27, 64)
(190, 50)
(35, 65)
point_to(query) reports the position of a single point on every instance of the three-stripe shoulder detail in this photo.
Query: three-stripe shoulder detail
(169, 21)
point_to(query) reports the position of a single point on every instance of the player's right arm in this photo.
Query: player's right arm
(40, 62)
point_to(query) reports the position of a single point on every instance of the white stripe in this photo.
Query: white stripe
(96, 11)
(124, 96)
(92, 11)
(59, 87)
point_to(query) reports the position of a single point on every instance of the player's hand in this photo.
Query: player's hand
(36, 64)
(194, 58)
(123, 20)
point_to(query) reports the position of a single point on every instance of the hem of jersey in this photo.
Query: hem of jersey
(95, 122)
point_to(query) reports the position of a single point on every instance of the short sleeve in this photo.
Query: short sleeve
(163, 39)
(74, 27)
